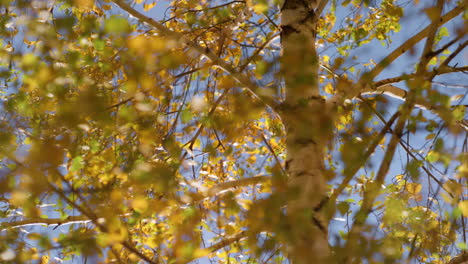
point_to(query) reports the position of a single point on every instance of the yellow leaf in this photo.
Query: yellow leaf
(34, 236)
(29, 60)
(148, 7)
(463, 205)
(137, 43)
(329, 88)
(85, 4)
(399, 177)
(245, 204)
(152, 243)
(140, 204)
(18, 198)
(413, 188)
(453, 187)
(107, 239)
(260, 8)
(104, 240)
(226, 82)
(433, 61)
(201, 252)
(252, 159)
(116, 196)
(325, 59)
(159, 44)
(44, 260)
(230, 229)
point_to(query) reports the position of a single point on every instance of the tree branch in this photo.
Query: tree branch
(460, 259)
(93, 217)
(257, 51)
(242, 79)
(455, 53)
(46, 221)
(350, 171)
(321, 6)
(217, 189)
(372, 190)
(410, 43)
(236, 184)
(227, 241)
(432, 30)
(438, 71)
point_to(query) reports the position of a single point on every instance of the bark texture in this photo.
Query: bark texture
(308, 122)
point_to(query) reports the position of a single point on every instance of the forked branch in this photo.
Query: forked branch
(241, 78)
(411, 42)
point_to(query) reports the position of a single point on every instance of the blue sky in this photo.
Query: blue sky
(413, 21)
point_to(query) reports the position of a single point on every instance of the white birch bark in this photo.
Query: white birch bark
(309, 128)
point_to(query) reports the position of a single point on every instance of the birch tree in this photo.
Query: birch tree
(248, 131)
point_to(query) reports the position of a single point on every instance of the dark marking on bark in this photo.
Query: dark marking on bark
(304, 141)
(286, 166)
(405, 93)
(320, 205)
(319, 225)
(302, 173)
(316, 97)
(292, 4)
(287, 30)
(310, 15)
(58, 224)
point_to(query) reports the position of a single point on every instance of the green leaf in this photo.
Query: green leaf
(77, 164)
(343, 207)
(462, 246)
(432, 156)
(413, 168)
(443, 32)
(459, 112)
(99, 44)
(116, 25)
(186, 116)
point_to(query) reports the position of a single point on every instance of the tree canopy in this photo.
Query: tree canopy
(249, 131)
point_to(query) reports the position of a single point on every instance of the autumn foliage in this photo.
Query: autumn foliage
(248, 131)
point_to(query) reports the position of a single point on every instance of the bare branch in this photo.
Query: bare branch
(440, 71)
(227, 241)
(46, 221)
(203, 51)
(455, 53)
(401, 94)
(410, 43)
(320, 8)
(236, 184)
(257, 51)
(373, 189)
(426, 54)
(120, 103)
(349, 172)
(222, 187)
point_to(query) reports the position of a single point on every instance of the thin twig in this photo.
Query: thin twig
(411, 42)
(241, 78)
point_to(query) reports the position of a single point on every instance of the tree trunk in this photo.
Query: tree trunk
(308, 124)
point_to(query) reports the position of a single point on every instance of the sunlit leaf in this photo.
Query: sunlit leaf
(463, 205)
(116, 24)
